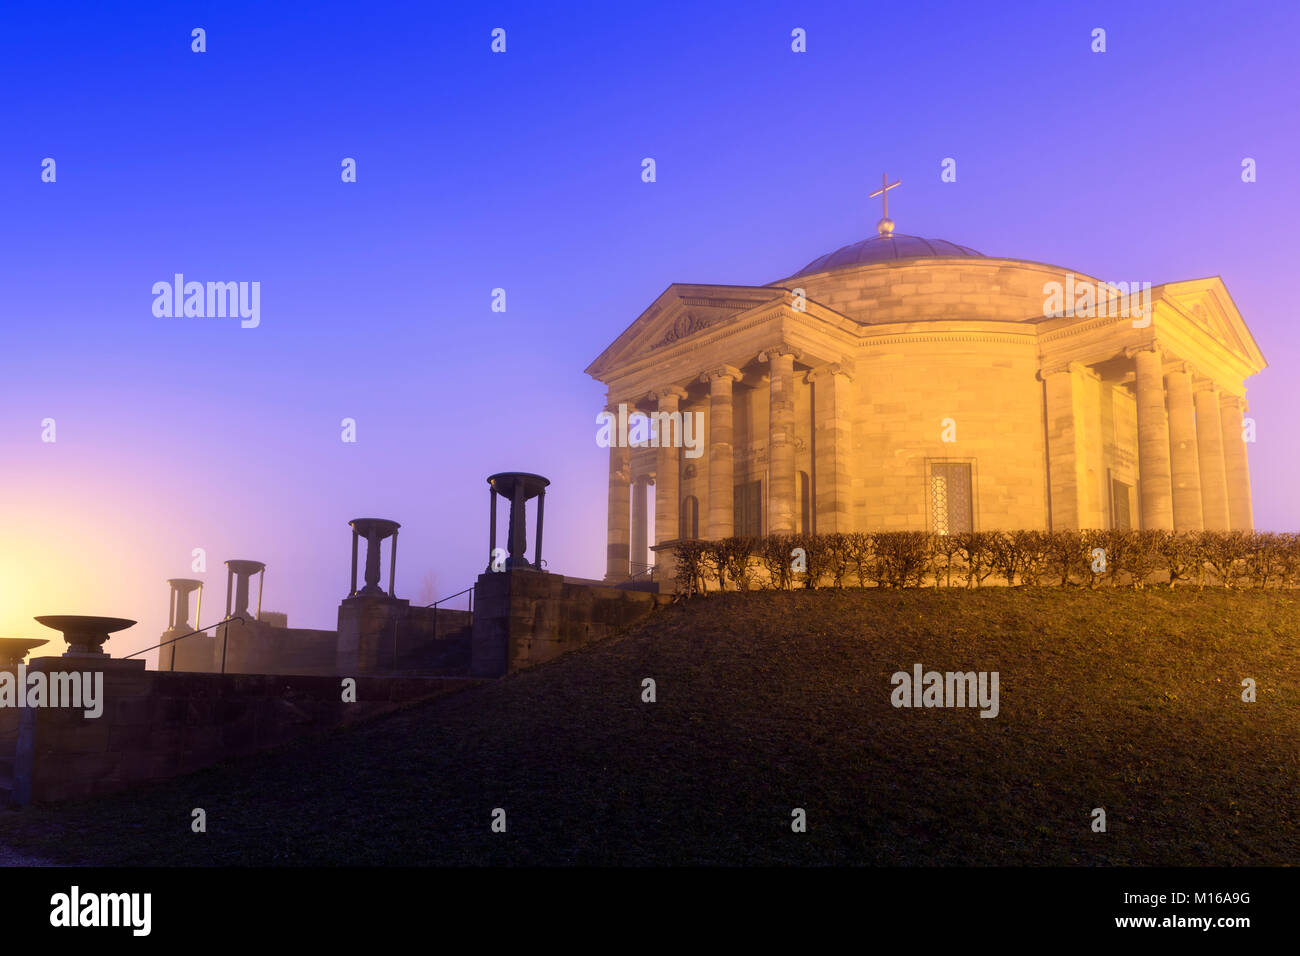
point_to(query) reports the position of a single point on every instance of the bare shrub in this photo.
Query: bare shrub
(1144, 557)
(775, 553)
(1265, 557)
(974, 546)
(857, 550)
(1006, 555)
(837, 557)
(947, 547)
(735, 556)
(692, 566)
(1225, 552)
(1066, 556)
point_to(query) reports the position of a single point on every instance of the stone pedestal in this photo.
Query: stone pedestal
(665, 575)
(64, 741)
(194, 653)
(370, 629)
(524, 617)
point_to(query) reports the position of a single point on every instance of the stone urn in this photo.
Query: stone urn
(85, 635)
(14, 649)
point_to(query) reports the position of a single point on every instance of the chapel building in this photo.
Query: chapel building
(902, 383)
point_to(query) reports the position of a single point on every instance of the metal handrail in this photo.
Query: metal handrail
(434, 605)
(450, 596)
(191, 634)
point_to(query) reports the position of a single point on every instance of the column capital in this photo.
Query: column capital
(1229, 400)
(666, 393)
(1179, 367)
(1134, 350)
(1205, 385)
(826, 371)
(645, 478)
(780, 348)
(721, 372)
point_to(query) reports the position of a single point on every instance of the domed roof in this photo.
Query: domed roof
(883, 248)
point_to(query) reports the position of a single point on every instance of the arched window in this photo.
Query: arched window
(690, 518)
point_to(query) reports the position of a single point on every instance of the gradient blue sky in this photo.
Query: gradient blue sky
(522, 171)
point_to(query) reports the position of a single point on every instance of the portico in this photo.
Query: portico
(1178, 375)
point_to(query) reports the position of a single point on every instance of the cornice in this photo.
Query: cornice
(1000, 338)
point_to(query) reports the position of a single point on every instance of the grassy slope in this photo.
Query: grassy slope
(1128, 701)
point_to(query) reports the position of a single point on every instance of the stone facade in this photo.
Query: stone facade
(933, 393)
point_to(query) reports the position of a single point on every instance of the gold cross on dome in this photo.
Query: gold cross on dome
(883, 193)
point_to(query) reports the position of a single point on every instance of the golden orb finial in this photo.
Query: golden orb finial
(885, 227)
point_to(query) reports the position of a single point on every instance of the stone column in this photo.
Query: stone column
(1240, 512)
(832, 447)
(1184, 463)
(722, 487)
(620, 506)
(639, 558)
(1209, 447)
(1064, 445)
(782, 513)
(668, 497)
(1154, 476)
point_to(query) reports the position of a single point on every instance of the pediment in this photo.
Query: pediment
(681, 312)
(1206, 304)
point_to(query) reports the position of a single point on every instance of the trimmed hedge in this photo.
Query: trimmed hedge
(900, 559)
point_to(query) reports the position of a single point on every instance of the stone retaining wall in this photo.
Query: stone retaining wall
(158, 724)
(524, 617)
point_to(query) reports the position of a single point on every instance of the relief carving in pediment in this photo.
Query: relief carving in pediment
(688, 323)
